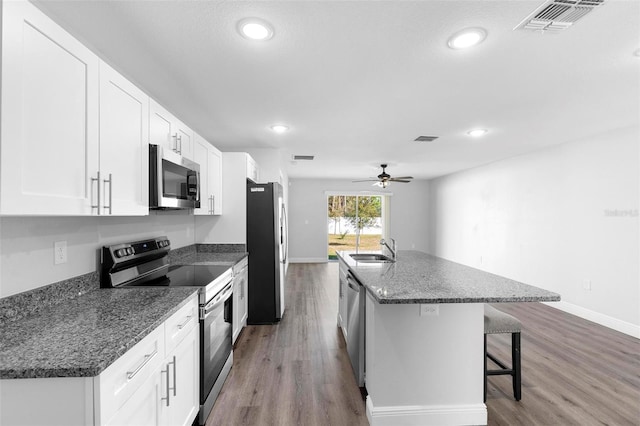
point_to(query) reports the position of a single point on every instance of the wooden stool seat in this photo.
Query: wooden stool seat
(496, 322)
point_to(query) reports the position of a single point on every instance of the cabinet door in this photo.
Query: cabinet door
(201, 156)
(252, 169)
(236, 311)
(185, 141)
(184, 368)
(161, 131)
(124, 147)
(244, 296)
(49, 127)
(142, 408)
(215, 179)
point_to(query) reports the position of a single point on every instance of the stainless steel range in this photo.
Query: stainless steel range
(146, 264)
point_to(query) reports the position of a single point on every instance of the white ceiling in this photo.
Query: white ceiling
(358, 81)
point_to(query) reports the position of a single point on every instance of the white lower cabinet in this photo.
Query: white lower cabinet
(240, 298)
(155, 383)
(169, 394)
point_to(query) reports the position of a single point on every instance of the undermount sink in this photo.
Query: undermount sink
(371, 257)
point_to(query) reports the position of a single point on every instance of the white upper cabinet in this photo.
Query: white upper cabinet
(49, 124)
(252, 169)
(215, 179)
(124, 146)
(169, 132)
(75, 133)
(210, 160)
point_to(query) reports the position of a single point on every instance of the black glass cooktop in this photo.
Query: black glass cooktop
(187, 276)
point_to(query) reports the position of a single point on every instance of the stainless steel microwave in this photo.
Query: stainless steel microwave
(174, 181)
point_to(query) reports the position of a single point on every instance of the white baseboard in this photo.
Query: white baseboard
(308, 260)
(602, 319)
(426, 415)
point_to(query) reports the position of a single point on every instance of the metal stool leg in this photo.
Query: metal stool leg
(515, 364)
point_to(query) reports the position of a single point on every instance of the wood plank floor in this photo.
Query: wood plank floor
(574, 372)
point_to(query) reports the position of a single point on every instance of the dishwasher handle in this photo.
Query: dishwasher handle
(353, 283)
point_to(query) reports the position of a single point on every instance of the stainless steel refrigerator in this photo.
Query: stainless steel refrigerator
(267, 247)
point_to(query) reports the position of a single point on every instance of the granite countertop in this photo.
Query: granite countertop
(418, 277)
(76, 329)
(81, 337)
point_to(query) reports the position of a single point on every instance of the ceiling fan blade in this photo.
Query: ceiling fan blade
(365, 180)
(401, 177)
(399, 180)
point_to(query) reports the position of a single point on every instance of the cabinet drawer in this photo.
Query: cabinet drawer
(115, 385)
(180, 323)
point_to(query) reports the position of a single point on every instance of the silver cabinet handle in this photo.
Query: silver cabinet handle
(147, 358)
(174, 377)
(184, 324)
(175, 137)
(168, 398)
(97, 180)
(110, 182)
(211, 205)
(179, 147)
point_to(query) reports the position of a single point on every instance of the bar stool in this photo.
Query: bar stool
(495, 322)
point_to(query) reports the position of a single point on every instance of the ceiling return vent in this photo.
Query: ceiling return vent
(303, 157)
(425, 138)
(558, 15)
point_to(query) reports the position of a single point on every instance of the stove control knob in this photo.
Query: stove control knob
(129, 250)
(119, 253)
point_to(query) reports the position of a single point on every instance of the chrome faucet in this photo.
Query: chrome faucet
(391, 248)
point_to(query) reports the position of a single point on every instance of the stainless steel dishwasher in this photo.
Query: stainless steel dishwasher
(355, 326)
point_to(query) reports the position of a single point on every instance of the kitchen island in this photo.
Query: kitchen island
(424, 327)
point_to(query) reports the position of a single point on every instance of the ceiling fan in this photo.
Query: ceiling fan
(384, 178)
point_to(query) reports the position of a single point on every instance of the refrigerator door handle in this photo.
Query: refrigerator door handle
(284, 237)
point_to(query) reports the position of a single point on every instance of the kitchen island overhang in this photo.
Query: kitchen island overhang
(426, 366)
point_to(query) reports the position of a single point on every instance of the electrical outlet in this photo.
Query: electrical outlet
(59, 252)
(586, 285)
(429, 309)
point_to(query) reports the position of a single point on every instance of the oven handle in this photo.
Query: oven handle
(220, 298)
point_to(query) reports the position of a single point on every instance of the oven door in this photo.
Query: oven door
(174, 181)
(215, 339)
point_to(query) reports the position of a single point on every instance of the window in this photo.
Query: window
(355, 222)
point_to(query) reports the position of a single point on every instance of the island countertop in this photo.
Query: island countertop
(418, 277)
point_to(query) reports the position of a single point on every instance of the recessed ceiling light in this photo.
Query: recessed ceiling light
(477, 132)
(467, 38)
(279, 128)
(255, 29)
(637, 53)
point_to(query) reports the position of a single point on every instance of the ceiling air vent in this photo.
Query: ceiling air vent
(425, 138)
(303, 157)
(558, 15)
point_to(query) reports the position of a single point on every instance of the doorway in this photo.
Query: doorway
(355, 222)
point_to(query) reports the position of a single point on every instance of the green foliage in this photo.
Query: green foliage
(369, 210)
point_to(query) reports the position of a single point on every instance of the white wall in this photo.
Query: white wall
(26, 244)
(308, 215)
(545, 219)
